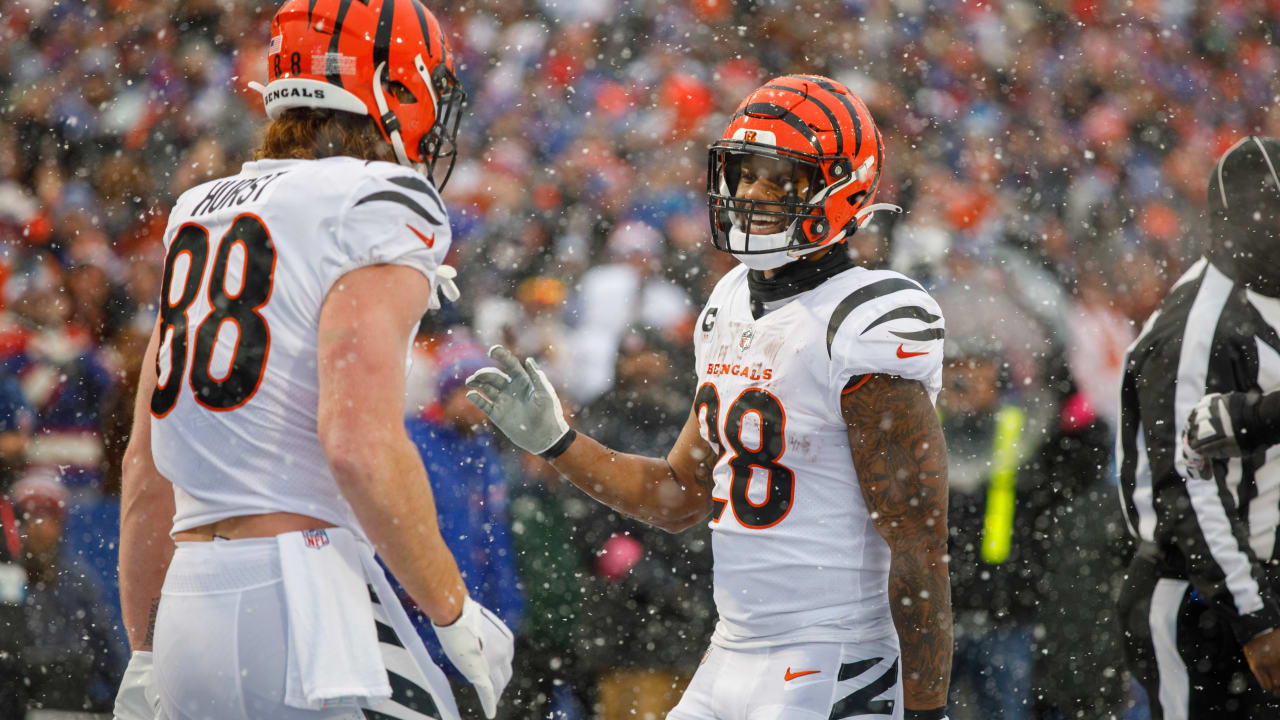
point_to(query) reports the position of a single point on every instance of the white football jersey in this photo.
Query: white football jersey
(797, 557)
(250, 259)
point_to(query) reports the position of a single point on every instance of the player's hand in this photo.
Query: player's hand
(1214, 427)
(1263, 654)
(519, 400)
(481, 647)
(137, 698)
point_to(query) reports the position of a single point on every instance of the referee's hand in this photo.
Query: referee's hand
(1263, 654)
(1219, 425)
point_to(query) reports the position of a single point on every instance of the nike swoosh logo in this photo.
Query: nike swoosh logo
(789, 676)
(428, 241)
(905, 355)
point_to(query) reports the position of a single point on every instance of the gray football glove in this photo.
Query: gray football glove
(1214, 426)
(521, 402)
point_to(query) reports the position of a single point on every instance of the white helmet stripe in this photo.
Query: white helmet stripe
(286, 93)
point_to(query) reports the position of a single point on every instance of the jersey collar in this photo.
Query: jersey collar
(795, 278)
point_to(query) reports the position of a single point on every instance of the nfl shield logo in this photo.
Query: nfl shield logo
(744, 342)
(315, 538)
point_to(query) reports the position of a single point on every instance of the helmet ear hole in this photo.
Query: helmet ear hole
(399, 91)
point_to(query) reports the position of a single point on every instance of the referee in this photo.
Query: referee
(1201, 602)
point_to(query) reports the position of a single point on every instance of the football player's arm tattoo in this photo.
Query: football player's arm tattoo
(146, 516)
(901, 459)
(672, 493)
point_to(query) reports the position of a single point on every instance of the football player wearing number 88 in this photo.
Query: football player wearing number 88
(268, 436)
(812, 447)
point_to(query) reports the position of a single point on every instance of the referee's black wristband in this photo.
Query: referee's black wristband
(561, 445)
(934, 714)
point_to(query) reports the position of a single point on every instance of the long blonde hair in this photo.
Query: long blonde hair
(310, 134)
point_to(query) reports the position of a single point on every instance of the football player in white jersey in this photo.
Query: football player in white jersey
(812, 444)
(268, 438)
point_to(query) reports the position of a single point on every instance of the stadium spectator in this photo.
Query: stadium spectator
(991, 593)
(14, 636)
(651, 608)
(468, 482)
(629, 289)
(75, 659)
(545, 514)
(1076, 555)
(15, 429)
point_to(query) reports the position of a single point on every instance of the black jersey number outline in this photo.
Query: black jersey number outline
(773, 424)
(253, 336)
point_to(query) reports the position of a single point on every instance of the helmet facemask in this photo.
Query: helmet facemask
(793, 221)
(440, 143)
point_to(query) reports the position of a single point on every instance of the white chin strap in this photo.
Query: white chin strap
(864, 215)
(388, 118)
(777, 242)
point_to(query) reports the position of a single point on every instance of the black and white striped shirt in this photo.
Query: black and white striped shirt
(1209, 335)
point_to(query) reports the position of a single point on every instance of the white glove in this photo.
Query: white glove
(481, 647)
(521, 402)
(137, 698)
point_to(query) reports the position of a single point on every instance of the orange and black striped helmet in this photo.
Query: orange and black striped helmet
(828, 133)
(385, 58)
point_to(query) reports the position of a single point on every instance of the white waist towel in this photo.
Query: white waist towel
(334, 656)
(333, 645)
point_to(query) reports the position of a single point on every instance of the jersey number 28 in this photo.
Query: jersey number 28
(765, 455)
(238, 306)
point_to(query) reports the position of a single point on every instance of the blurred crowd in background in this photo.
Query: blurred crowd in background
(1051, 156)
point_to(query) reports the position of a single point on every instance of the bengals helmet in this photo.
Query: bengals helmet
(385, 58)
(830, 137)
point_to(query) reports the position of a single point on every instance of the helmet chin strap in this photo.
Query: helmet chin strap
(767, 260)
(389, 121)
(864, 215)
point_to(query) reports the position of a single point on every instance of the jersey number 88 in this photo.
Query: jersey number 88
(253, 338)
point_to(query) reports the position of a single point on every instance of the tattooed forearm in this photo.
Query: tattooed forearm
(901, 460)
(151, 621)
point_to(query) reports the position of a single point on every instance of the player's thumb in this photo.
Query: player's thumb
(488, 697)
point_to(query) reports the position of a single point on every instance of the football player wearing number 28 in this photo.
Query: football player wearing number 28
(268, 439)
(813, 445)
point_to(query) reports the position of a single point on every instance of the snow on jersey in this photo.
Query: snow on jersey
(249, 262)
(797, 557)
